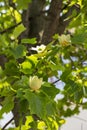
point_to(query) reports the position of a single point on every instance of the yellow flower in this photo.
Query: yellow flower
(35, 83)
(64, 40)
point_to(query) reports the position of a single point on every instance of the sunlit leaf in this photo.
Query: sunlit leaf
(18, 30)
(29, 41)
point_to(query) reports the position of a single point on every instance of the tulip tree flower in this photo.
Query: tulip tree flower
(39, 49)
(35, 83)
(64, 40)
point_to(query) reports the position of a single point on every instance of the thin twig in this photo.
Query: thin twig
(56, 81)
(8, 123)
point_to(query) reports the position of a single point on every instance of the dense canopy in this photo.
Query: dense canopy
(42, 43)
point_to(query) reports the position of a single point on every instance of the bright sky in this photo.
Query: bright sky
(77, 122)
(6, 118)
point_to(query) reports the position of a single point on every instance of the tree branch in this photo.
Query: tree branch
(10, 28)
(36, 23)
(12, 4)
(7, 123)
(56, 81)
(52, 20)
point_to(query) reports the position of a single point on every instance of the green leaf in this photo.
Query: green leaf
(76, 22)
(22, 83)
(18, 30)
(11, 68)
(26, 67)
(50, 90)
(19, 51)
(3, 41)
(7, 106)
(55, 37)
(36, 104)
(23, 4)
(52, 109)
(47, 84)
(79, 38)
(66, 74)
(29, 41)
(33, 59)
(1, 71)
(23, 105)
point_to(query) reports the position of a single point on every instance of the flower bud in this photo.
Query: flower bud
(64, 40)
(35, 83)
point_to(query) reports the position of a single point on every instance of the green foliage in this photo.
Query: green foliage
(23, 4)
(65, 54)
(29, 41)
(8, 105)
(35, 101)
(18, 30)
(19, 51)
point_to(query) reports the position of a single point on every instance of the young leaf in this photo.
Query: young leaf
(29, 41)
(18, 30)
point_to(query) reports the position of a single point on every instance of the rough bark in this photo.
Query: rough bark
(33, 19)
(16, 113)
(42, 23)
(52, 20)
